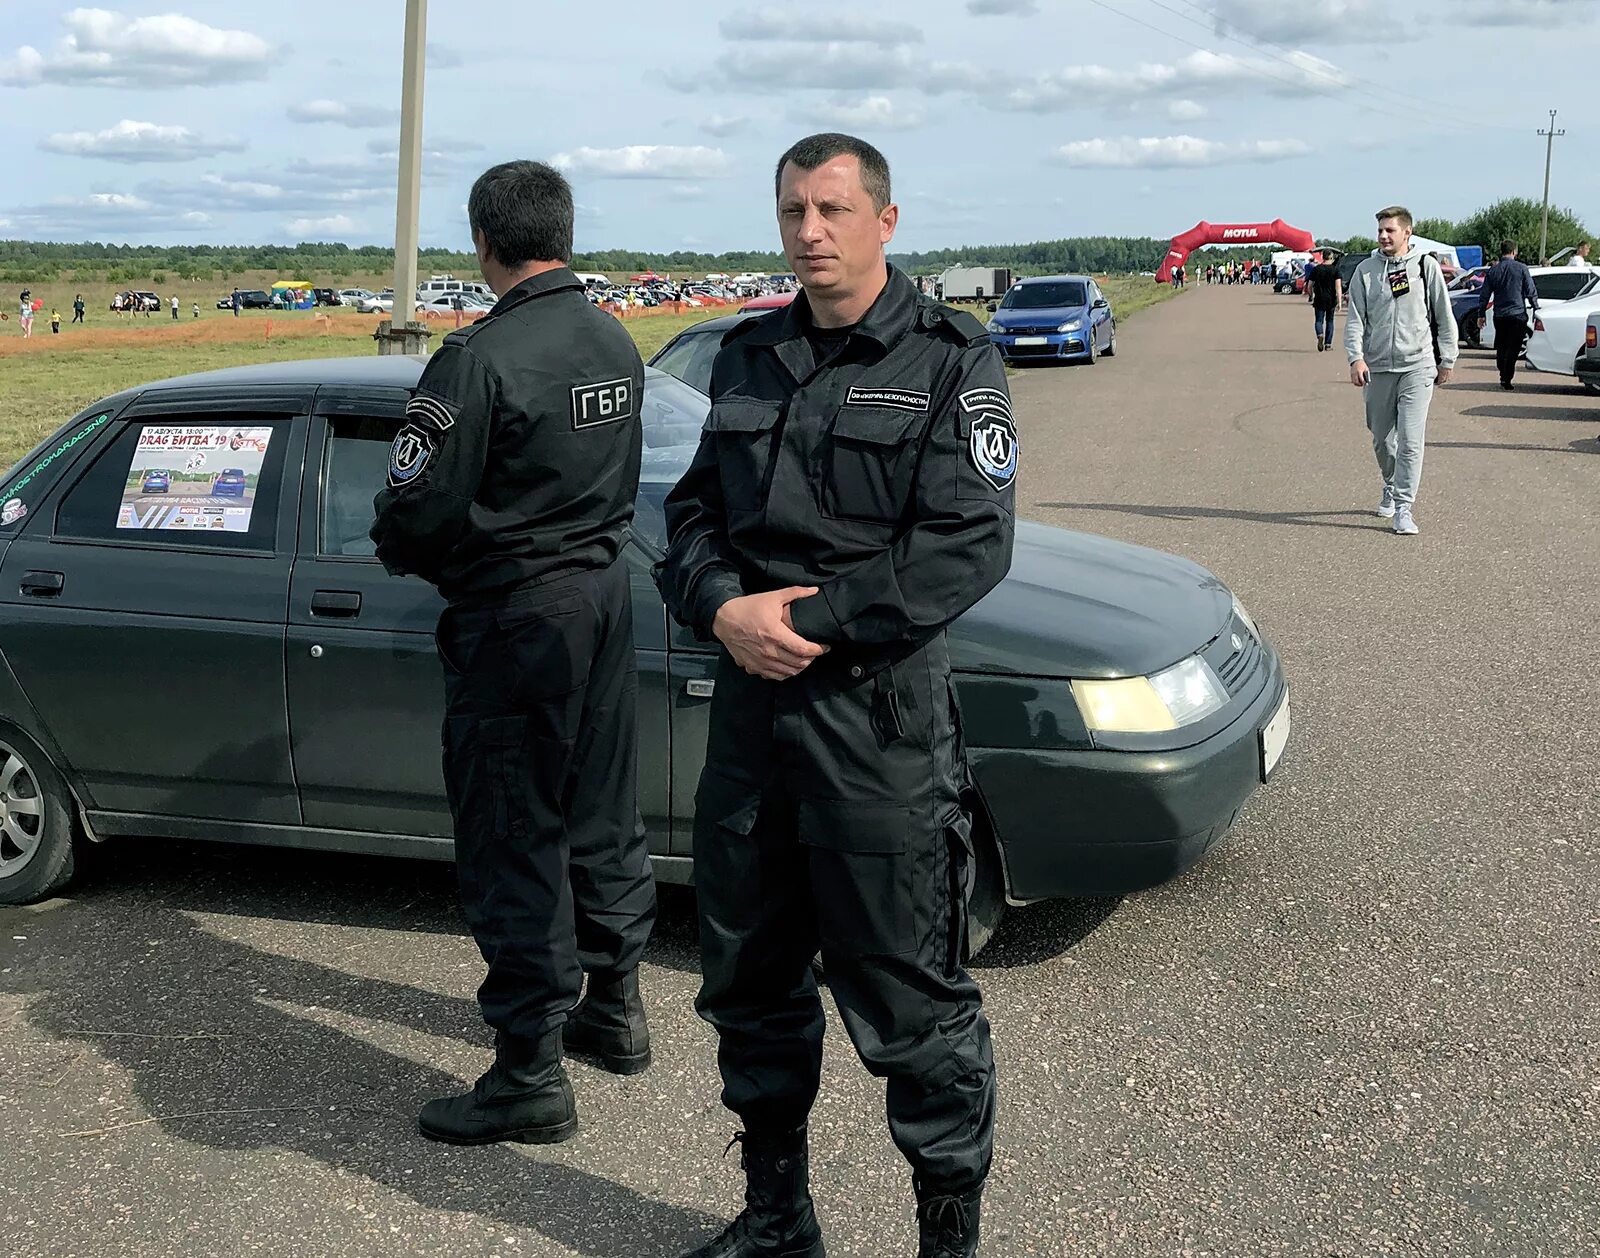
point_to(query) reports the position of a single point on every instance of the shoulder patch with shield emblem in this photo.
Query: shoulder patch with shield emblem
(409, 454)
(992, 445)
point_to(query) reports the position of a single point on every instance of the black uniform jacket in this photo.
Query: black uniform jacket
(884, 476)
(519, 459)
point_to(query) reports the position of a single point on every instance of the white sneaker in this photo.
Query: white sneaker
(1386, 504)
(1403, 523)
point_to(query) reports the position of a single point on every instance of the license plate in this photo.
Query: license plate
(1274, 738)
(1032, 340)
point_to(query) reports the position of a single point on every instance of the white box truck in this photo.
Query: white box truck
(974, 283)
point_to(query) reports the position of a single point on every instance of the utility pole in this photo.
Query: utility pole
(402, 334)
(1544, 222)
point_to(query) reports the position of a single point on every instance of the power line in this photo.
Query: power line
(1444, 111)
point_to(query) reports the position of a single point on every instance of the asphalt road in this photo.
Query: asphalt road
(1366, 1024)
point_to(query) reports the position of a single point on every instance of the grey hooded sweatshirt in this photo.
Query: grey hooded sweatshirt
(1395, 333)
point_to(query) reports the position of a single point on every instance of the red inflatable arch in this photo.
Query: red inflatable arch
(1276, 232)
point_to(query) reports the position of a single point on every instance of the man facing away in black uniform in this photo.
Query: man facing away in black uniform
(510, 488)
(851, 496)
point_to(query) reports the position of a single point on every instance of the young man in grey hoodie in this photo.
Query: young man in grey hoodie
(1400, 338)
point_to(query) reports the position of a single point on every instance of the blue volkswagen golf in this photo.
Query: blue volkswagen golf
(1054, 316)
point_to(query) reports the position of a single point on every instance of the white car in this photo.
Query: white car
(376, 303)
(354, 296)
(1558, 337)
(1556, 285)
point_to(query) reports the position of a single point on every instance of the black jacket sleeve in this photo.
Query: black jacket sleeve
(698, 574)
(436, 464)
(958, 546)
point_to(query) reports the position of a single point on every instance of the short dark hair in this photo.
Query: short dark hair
(814, 150)
(1397, 211)
(524, 212)
(1507, 246)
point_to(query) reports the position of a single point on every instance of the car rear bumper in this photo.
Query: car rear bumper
(1588, 369)
(1075, 823)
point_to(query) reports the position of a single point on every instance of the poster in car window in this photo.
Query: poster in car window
(194, 477)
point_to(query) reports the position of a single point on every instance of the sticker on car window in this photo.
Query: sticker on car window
(33, 472)
(200, 477)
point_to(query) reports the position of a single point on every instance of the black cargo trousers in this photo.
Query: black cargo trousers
(539, 763)
(829, 816)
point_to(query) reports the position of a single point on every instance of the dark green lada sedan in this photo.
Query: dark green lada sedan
(227, 660)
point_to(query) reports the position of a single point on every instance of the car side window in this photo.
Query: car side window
(689, 358)
(183, 483)
(355, 462)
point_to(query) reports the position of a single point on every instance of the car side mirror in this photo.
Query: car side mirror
(1100, 303)
(991, 307)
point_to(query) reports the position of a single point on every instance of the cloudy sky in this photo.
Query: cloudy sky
(1004, 120)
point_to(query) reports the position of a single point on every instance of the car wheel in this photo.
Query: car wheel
(38, 851)
(1111, 341)
(1093, 355)
(987, 903)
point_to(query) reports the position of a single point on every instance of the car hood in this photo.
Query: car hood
(1039, 315)
(1078, 605)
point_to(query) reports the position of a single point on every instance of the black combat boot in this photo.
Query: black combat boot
(609, 1027)
(777, 1220)
(524, 1097)
(947, 1225)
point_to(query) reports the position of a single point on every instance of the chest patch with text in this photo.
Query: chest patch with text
(603, 403)
(897, 399)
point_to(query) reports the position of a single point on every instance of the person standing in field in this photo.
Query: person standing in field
(77, 308)
(25, 314)
(55, 322)
(174, 307)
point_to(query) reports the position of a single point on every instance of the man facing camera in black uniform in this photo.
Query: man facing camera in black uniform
(510, 488)
(851, 496)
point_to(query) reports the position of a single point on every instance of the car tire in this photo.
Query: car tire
(986, 906)
(1094, 356)
(39, 844)
(1111, 341)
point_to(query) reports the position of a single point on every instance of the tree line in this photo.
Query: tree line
(24, 261)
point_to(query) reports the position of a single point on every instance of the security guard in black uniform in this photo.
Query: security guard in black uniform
(510, 487)
(851, 496)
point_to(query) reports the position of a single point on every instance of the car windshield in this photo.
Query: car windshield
(689, 358)
(1048, 296)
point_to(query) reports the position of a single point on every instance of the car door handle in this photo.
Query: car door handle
(700, 687)
(336, 603)
(43, 584)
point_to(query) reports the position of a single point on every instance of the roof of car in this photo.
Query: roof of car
(373, 370)
(1052, 279)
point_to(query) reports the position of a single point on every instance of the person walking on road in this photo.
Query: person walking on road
(511, 488)
(1509, 288)
(1323, 291)
(829, 814)
(1400, 337)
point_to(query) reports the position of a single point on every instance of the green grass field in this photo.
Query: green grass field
(45, 388)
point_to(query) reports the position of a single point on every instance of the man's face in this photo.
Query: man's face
(832, 234)
(1394, 237)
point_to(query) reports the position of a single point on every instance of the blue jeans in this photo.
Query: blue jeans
(1325, 325)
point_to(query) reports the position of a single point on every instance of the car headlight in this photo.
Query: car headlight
(993, 326)
(1071, 325)
(1187, 692)
(1249, 620)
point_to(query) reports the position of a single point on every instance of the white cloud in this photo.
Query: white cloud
(1198, 74)
(1526, 12)
(333, 227)
(1275, 22)
(1186, 110)
(342, 113)
(1161, 152)
(1002, 8)
(115, 213)
(840, 67)
(810, 28)
(719, 126)
(130, 141)
(870, 113)
(645, 161)
(106, 49)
